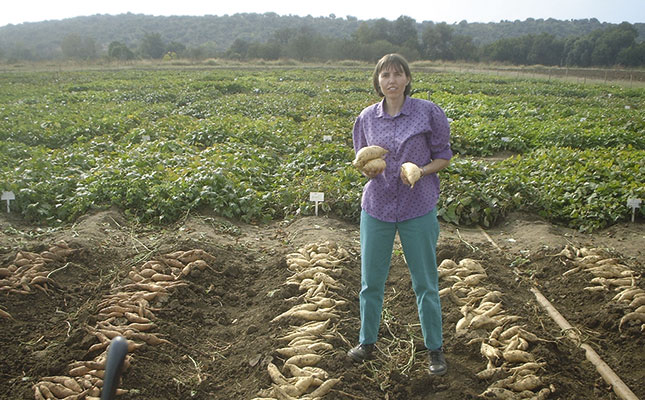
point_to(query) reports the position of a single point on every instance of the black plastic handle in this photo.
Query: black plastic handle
(113, 367)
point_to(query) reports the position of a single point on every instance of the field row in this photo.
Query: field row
(253, 144)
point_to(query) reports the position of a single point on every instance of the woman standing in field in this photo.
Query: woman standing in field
(411, 130)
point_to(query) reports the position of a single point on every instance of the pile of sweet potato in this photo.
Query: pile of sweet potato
(31, 271)
(610, 274)
(315, 268)
(128, 311)
(511, 369)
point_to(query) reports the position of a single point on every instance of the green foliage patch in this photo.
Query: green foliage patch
(251, 144)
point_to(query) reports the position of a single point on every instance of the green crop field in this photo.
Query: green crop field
(251, 144)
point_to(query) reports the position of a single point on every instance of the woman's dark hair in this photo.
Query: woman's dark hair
(398, 63)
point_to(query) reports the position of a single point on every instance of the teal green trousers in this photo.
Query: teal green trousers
(419, 240)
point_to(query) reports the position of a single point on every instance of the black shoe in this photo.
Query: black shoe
(362, 352)
(438, 365)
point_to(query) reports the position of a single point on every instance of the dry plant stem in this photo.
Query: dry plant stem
(603, 369)
(350, 395)
(473, 248)
(57, 269)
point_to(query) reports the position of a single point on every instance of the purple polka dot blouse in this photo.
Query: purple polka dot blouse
(420, 133)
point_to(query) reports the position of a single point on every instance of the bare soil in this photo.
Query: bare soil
(219, 324)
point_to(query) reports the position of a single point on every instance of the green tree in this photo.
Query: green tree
(437, 42)
(238, 49)
(545, 49)
(611, 41)
(152, 46)
(409, 51)
(382, 30)
(77, 47)
(375, 50)
(632, 56)
(602, 54)
(577, 51)
(207, 49)
(464, 48)
(404, 32)
(301, 46)
(283, 36)
(71, 45)
(195, 53)
(20, 51)
(363, 34)
(119, 51)
(177, 48)
(441, 42)
(347, 49)
(266, 51)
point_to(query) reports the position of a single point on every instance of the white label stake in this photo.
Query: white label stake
(8, 196)
(316, 197)
(634, 204)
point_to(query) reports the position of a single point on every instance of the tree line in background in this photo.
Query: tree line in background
(615, 45)
(608, 45)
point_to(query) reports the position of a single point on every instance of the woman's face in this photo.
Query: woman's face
(393, 82)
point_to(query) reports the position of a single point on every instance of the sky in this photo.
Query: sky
(450, 11)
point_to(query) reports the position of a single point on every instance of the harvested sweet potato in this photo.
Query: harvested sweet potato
(412, 173)
(368, 153)
(304, 360)
(324, 388)
(374, 166)
(519, 356)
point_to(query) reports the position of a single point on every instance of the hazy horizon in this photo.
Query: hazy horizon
(632, 11)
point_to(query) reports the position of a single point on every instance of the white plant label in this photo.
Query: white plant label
(327, 138)
(316, 197)
(8, 196)
(634, 204)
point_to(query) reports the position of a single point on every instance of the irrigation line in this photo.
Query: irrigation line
(619, 387)
(603, 369)
(490, 239)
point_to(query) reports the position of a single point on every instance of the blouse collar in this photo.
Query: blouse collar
(405, 110)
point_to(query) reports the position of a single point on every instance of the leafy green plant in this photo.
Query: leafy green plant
(252, 144)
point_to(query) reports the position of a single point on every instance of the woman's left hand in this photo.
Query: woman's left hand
(404, 176)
